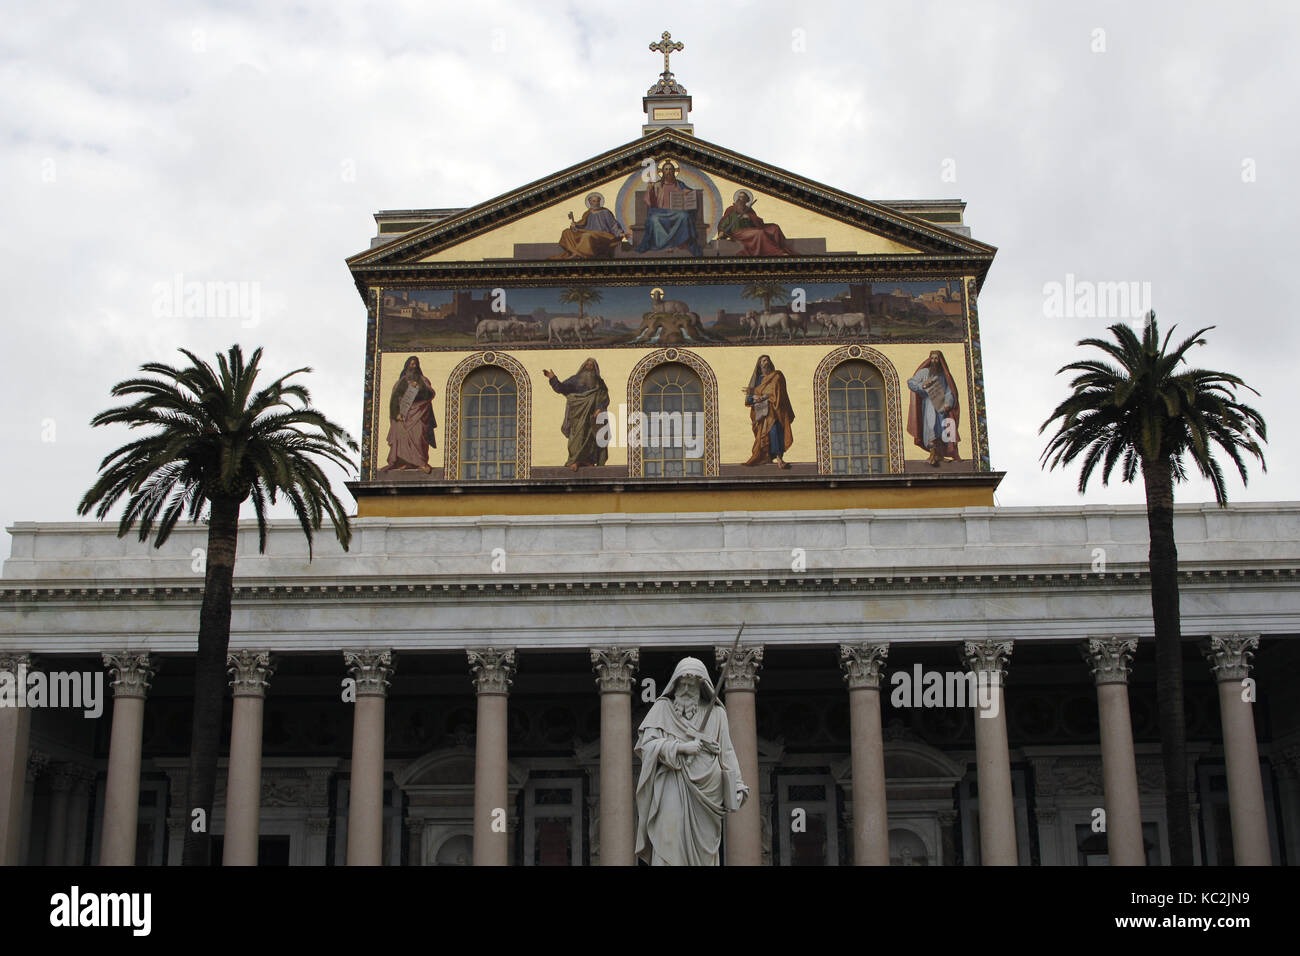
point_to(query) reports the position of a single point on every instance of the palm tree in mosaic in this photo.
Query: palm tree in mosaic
(214, 444)
(767, 292)
(581, 296)
(1145, 410)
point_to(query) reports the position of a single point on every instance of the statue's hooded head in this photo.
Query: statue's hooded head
(692, 667)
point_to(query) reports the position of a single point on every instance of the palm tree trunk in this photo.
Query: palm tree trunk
(1163, 563)
(210, 675)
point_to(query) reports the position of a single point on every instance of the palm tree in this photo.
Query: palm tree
(767, 291)
(215, 444)
(1149, 413)
(581, 296)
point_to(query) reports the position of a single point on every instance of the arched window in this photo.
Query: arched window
(489, 427)
(672, 424)
(856, 402)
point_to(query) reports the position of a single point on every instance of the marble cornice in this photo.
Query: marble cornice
(494, 588)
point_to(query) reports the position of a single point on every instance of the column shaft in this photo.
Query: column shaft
(614, 669)
(1119, 777)
(1229, 657)
(1245, 785)
(370, 670)
(870, 810)
(56, 827)
(493, 669)
(244, 783)
(15, 736)
(993, 756)
(122, 790)
(244, 775)
(366, 790)
(744, 829)
(617, 794)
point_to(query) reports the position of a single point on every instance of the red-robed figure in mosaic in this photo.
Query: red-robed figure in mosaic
(741, 224)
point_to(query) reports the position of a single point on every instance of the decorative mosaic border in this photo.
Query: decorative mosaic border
(975, 376)
(523, 412)
(893, 403)
(636, 383)
(369, 375)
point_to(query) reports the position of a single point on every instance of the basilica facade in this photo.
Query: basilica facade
(613, 418)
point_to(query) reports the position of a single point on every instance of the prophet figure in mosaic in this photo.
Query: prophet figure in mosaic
(934, 413)
(411, 421)
(586, 397)
(770, 414)
(690, 777)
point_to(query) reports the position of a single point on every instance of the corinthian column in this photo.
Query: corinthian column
(988, 660)
(15, 737)
(614, 669)
(131, 675)
(1109, 659)
(1229, 657)
(371, 670)
(251, 671)
(744, 829)
(492, 668)
(862, 664)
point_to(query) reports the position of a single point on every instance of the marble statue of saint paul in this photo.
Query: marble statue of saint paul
(689, 778)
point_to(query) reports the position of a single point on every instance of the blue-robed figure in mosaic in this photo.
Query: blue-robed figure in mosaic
(670, 214)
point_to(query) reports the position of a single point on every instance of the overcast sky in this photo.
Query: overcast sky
(252, 142)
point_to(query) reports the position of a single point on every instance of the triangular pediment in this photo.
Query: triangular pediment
(699, 210)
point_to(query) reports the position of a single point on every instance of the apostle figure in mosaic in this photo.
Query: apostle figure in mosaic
(757, 238)
(595, 236)
(770, 414)
(411, 421)
(586, 397)
(690, 778)
(934, 413)
(670, 214)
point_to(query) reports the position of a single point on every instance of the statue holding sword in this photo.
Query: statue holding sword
(690, 778)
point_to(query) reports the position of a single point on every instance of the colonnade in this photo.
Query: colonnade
(492, 670)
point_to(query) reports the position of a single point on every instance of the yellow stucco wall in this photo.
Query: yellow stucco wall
(732, 366)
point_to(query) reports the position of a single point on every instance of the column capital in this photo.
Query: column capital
(371, 669)
(131, 672)
(492, 669)
(12, 661)
(251, 670)
(741, 667)
(1109, 657)
(1229, 655)
(614, 668)
(991, 656)
(63, 777)
(37, 763)
(862, 664)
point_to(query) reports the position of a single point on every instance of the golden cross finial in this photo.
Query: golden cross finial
(667, 47)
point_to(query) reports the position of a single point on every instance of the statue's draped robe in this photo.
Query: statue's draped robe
(679, 797)
(772, 416)
(925, 423)
(410, 439)
(758, 238)
(595, 236)
(581, 406)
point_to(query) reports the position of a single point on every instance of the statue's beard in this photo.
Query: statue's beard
(587, 379)
(685, 708)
